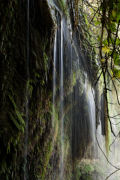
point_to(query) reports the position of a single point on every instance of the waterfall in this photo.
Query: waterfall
(58, 58)
(54, 77)
(69, 63)
(90, 94)
(61, 106)
(27, 93)
(72, 64)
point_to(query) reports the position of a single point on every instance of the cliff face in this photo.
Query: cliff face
(14, 82)
(30, 144)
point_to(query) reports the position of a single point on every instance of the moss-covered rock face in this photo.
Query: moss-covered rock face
(26, 97)
(14, 82)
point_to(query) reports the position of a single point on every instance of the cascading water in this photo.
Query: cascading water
(27, 93)
(54, 78)
(70, 135)
(69, 68)
(70, 64)
(90, 94)
(61, 106)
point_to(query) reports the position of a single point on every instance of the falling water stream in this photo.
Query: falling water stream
(91, 108)
(61, 106)
(61, 94)
(54, 77)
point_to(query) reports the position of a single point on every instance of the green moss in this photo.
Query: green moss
(44, 161)
(84, 171)
(107, 129)
(17, 125)
(14, 87)
(16, 116)
(116, 72)
(45, 57)
(30, 84)
(63, 7)
(74, 79)
(107, 136)
(88, 170)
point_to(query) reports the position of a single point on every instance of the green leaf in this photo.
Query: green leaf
(114, 13)
(117, 41)
(116, 72)
(102, 60)
(106, 49)
(118, 17)
(116, 58)
(105, 42)
(112, 27)
(97, 23)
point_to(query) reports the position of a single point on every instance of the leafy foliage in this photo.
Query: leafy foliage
(103, 21)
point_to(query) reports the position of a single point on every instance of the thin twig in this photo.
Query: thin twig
(106, 156)
(114, 87)
(113, 141)
(112, 174)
